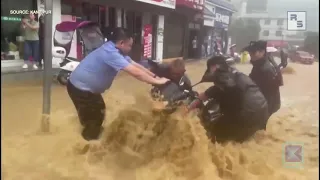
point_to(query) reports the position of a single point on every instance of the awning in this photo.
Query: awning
(223, 4)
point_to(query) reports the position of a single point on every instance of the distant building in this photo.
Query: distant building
(273, 29)
(256, 6)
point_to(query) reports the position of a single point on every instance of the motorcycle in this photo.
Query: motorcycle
(90, 35)
(182, 93)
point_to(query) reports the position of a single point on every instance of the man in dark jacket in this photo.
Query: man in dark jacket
(243, 107)
(266, 74)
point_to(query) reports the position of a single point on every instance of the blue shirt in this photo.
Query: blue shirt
(98, 69)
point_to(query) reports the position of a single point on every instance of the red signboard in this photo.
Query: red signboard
(194, 4)
(147, 41)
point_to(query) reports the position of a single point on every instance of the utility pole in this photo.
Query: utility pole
(47, 73)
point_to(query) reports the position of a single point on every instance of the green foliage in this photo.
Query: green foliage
(311, 43)
(242, 31)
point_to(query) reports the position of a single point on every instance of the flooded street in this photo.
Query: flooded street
(138, 146)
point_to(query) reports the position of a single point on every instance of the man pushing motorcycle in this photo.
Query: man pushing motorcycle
(243, 108)
(96, 73)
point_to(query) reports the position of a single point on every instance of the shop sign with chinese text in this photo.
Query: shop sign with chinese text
(194, 4)
(164, 3)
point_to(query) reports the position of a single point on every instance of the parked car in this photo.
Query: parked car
(302, 57)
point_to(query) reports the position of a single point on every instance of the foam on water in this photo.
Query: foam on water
(141, 145)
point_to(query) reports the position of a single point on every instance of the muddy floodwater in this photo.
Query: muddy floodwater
(137, 145)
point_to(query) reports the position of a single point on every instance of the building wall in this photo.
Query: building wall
(274, 29)
(270, 24)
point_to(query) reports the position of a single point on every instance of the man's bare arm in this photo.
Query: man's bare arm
(196, 103)
(143, 76)
(143, 68)
(35, 27)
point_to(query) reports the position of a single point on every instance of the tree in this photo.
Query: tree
(242, 31)
(311, 43)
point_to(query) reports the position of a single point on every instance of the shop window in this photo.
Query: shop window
(213, 10)
(267, 21)
(280, 22)
(265, 33)
(174, 37)
(12, 42)
(278, 33)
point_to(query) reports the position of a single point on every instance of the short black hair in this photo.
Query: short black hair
(215, 60)
(120, 34)
(257, 46)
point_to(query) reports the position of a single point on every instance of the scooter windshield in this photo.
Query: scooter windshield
(92, 38)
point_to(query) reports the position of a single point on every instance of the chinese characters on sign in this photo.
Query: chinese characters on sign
(164, 3)
(194, 4)
(147, 41)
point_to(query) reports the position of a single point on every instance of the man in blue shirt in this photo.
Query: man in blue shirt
(95, 74)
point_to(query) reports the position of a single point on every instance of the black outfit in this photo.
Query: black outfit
(91, 111)
(268, 77)
(243, 108)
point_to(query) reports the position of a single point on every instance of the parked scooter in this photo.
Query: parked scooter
(91, 37)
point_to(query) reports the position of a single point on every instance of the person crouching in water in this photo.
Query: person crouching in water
(174, 70)
(244, 109)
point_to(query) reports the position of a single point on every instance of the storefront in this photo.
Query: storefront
(181, 27)
(208, 23)
(11, 32)
(143, 18)
(12, 40)
(223, 12)
(222, 20)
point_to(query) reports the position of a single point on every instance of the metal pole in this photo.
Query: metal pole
(47, 73)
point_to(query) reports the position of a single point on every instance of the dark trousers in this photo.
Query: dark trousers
(91, 111)
(237, 129)
(31, 48)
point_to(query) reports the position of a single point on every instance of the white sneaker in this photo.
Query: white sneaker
(35, 66)
(25, 66)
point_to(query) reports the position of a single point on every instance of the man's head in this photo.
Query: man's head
(177, 69)
(214, 65)
(32, 16)
(123, 40)
(257, 49)
(216, 62)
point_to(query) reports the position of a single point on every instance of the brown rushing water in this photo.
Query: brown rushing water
(137, 145)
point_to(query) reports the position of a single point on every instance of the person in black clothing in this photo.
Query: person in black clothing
(243, 107)
(266, 74)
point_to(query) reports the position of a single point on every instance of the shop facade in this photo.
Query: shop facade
(12, 41)
(208, 25)
(144, 18)
(181, 27)
(217, 19)
(11, 34)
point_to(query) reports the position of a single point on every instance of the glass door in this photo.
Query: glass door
(134, 26)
